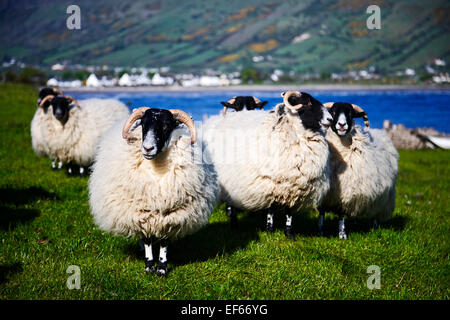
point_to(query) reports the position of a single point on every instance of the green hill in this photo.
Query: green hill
(196, 34)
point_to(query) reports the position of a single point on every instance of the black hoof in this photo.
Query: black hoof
(269, 228)
(289, 233)
(162, 270)
(150, 266)
(233, 223)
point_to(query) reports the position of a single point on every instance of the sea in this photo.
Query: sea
(413, 108)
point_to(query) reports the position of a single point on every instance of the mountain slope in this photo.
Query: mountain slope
(304, 36)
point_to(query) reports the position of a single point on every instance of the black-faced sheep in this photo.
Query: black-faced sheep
(146, 182)
(37, 137)
(239, 103)
(272, 159)
(74, 128)
(364, 168)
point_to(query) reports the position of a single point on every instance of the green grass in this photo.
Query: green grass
(46, 226)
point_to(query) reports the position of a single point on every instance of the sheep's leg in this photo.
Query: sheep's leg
(269, 224)
(162, 263)
(288, 230)
(53, 164)
(60, 165)
(70, 169)
(231, 212)
(149, 262)
(320, 224)
(82, 171)
(375, 223)
(342, 234)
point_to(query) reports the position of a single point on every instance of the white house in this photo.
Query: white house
(125, 80)
(92, 81)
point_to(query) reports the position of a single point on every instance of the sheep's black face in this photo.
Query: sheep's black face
(313, 114)
(244, 102)
(157, 126)
(343, 115)
(42, 94)
(61, 108)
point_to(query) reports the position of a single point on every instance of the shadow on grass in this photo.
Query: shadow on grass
(7, 270)
(11, 214)
(215, 239)
(11, 217)
(24, 196)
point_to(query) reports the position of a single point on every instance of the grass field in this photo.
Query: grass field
(46, 226)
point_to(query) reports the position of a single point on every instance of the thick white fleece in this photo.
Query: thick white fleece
(263, 159)
(168, 197)
(364, 173)
(77, 140)
(37, 136)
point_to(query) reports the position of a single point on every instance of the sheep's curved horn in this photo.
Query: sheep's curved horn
(364, 114)
(286, 102)
(43, 101)
(328, 105)
(58, 91)
(186, 119)
(137, 114)
(73, 100)
(230, 102)
(256, 100)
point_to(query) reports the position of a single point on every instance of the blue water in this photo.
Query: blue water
(427, 108)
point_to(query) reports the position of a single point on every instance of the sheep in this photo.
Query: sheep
(146, 183)
(75, 127)
(364, 169)
(280, 158)
(239, 103)
(37, 141)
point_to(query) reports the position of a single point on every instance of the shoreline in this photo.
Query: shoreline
(306, 87)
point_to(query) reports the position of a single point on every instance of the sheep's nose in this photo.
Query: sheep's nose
(149, 149)
(341, 124)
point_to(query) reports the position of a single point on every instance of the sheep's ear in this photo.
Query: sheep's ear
(71, 104)
(226, 104)
(136, 124)
(359, 114)
(261, 104)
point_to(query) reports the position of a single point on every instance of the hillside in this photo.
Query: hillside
(304, 36)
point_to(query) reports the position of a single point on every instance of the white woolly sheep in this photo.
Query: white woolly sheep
(37, 137)
(146, 183)
(240, 103)
(75, 127)
(364, 168)
(269, 159)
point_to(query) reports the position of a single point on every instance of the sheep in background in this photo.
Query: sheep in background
(239, 103)
(37, 138)
(146, 183)
(364, 168)
(75, 127)
(280, 158)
